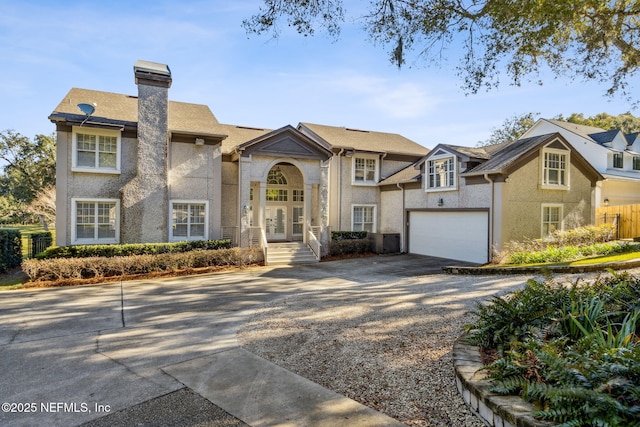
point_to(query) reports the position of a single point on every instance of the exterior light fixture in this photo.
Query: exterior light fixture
(606, 202)
(440, 201)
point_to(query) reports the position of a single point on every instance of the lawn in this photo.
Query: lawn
(15, 278)
(627, 256)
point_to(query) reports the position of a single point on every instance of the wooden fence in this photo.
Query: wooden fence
(627, 218)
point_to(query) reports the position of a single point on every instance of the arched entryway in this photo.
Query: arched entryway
(284, 213)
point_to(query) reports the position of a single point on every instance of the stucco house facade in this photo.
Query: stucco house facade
(465, 203)
(614, 154)
(143, 168)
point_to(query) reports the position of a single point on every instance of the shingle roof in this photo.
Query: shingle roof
(604, 137)
(508, 154)
(408, 174)
(363, 140)
(185, 117)
(237, 135)
(581, 130)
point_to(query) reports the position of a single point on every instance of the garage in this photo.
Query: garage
(456, 234)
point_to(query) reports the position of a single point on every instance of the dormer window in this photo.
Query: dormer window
(618, 160)
(636, 163)
(441, 173)
(365, 169)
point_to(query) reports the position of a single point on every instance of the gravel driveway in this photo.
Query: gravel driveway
(386, 345)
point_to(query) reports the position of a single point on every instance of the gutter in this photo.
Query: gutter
(340, 154)
(404, 218)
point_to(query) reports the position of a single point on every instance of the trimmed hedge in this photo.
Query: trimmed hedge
(348, 235)
(10, 249)
(58, 269)
(345, 247)
(87, 251)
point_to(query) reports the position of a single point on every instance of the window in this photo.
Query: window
(189, 220)
(554, 169)
(96, 150)
(95, 221)
(551, 219)
(636, 163)
(441, 173)
(298, 195)
(277, 195)
(618, 160)
(276, 177)
(364, 218)
(365, 170)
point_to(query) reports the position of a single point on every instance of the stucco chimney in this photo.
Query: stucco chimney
(145, 198)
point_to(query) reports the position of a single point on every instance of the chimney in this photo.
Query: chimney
(145, 198)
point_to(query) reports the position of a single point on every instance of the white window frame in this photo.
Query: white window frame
(376, 172)
(74, 222)
(374, 219)
(560, 218)
(453, 185)
(173, 202)
(544, 170)
(97, 132)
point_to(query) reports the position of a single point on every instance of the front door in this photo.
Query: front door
(276, 221)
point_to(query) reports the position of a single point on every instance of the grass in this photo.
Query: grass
(627, 256)
(25, 230)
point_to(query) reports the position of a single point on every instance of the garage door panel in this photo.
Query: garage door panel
(459, 235)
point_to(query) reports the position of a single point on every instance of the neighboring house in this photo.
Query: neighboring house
(463, 203)
(615, 155)
(145, 169)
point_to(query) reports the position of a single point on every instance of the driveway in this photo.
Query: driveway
(142, 351)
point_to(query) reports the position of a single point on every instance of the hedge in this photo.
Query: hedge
(55, 269)
(87, 251)
(352, 246)
(10, 249)
(348, 235)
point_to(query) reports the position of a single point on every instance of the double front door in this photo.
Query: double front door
(276, 222)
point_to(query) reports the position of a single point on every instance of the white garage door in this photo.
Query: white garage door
(459, 235)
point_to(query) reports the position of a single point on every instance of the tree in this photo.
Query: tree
(591, 39)
(29, 166)
(44, 205)
(512, 129)
(626, 122)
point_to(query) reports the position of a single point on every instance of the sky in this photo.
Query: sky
(48, 47)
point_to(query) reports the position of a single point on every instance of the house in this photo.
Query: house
(143, 168)
(615, 155)
(464, 203)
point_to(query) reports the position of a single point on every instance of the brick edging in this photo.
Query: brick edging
(493, 409)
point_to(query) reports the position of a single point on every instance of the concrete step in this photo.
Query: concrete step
(289, 253)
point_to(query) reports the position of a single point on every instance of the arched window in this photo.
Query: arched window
(276, 177)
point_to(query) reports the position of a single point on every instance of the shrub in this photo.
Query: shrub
(352, 246)
(572, 351)
(348, 235)
(10, 249)
(85, 251)
(568, 253)
(54, 269)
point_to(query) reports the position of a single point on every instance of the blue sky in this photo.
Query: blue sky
(48, 47)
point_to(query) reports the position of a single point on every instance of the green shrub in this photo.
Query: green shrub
(85, 251)
(569, 253)
(572, 351)
(348, 235)
(53, 269)
(10, 249)
(352, 246)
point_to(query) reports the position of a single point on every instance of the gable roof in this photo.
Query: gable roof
(287, 141)
(363, 140)
(115, 108)
(410, 173)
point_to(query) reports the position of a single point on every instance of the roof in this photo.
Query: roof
(408, 174)
(183, 117)
(604, 137)
(238, 135)
(364, 140)
(509, 153)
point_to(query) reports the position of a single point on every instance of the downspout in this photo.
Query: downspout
(404, 219)
(490, 181)
(340, 153)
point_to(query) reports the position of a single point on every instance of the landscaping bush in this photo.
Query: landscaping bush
(569, 253)
(351, 246)
(349, 235)
(572, 351)
(85, 251)
(10, 249)
(54, 269)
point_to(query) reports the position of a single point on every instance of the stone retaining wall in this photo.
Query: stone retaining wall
(493, 409)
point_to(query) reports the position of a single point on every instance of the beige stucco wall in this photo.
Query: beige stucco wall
(194, 175)
(523, 199)
(229, 195)
(620, 192)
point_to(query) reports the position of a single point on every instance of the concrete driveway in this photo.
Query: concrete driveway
(150, 352)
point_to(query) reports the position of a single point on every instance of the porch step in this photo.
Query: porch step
(290, 253)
